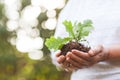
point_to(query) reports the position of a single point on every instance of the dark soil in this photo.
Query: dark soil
(73, 45)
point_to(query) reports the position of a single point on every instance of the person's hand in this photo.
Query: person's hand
(61, 59)
(79, 59)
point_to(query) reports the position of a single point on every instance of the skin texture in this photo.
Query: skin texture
(78, 60)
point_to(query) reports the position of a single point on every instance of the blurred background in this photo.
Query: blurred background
(24, 26)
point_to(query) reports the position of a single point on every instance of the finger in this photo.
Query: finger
(95, 60)
(68, 70)
(70, 67)
(76, 60)
(64, 64)
(81, 54)
(61, 59)
(58, 53)
(95, 51)
(74, 63)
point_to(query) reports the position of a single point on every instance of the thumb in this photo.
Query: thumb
(96, 50)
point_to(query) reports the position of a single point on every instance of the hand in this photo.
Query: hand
(80, 59)
(61, 59)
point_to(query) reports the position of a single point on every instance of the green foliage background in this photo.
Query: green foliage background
(17, 66)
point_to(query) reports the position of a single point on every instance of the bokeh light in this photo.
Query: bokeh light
(51, 23)
(51, 13)
(26, 44)
(24, 22)
(12, 25)
(36, 55)
(31, 12)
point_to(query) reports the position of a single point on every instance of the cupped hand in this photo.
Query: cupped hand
(61, 59)
(80, 59)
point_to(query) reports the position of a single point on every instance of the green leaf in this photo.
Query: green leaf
(56, 43)
(76, 28)
(85, 29)
(87, 22)
(69, 28)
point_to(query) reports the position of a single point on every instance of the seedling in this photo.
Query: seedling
(77, 33)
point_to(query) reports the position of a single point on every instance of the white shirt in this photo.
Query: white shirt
(105, 15)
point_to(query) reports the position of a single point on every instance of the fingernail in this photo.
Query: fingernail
(68, 58)
(68, 53)
(91, 53)
(73, 50)
(62, 56)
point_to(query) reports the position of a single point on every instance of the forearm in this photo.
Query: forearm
(114, 53)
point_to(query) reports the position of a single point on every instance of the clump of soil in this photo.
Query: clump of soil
(73, 45)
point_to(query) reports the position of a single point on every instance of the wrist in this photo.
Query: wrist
(106, 53)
